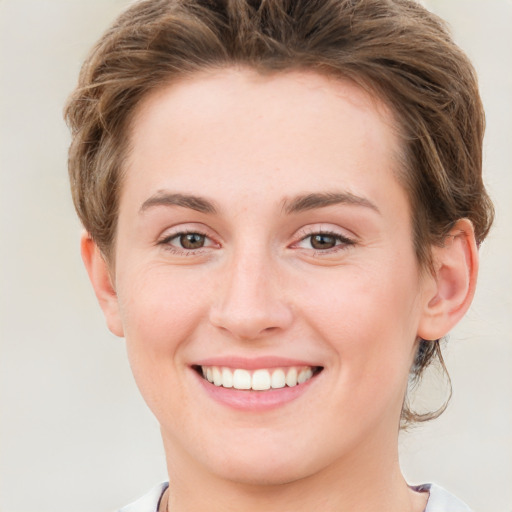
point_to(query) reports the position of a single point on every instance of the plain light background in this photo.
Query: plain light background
(74, 434)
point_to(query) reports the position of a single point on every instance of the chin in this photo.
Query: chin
(262, 474)
(262, 465)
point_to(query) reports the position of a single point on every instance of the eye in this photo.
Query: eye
(191, 240)
(324, 241)
(186, 241)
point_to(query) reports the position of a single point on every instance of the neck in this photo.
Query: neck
(354, 483)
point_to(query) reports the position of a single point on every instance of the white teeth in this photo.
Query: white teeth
(227, 378)
(304, 375)
(261, 380)
(278, 379)
(241, 379)
(257, 380)
(291, 377)
(217, 376)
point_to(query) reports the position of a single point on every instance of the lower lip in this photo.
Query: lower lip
(256, 401)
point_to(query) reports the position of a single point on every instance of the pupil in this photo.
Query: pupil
(192, 241)
(323, 241)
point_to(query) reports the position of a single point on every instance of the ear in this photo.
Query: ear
(453, 282)
(101, 280)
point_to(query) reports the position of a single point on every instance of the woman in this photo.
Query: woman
(283, 203)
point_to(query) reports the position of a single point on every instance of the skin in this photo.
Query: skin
(250, 145)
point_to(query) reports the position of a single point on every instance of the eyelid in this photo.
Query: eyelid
(174, 236)
(183, 229)
(326, 229)
(339, 234)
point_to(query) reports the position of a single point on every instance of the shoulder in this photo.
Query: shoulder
(441, 500)
(149, 502)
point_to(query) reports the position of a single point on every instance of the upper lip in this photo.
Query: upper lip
(253, 363)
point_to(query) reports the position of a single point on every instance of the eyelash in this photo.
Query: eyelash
(166, 242)
(341, 242)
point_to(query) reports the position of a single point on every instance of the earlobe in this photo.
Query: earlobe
(101, 281)
(454, 282)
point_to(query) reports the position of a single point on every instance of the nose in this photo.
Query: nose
(250, 300)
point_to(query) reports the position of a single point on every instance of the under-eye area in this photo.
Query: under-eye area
(257, 380)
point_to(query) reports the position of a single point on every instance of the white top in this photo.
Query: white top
(439, 500)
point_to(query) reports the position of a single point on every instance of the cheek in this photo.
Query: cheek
(160, 309)
(370, 320)
(161, 313)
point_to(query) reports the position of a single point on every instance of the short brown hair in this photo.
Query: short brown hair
(396, 49)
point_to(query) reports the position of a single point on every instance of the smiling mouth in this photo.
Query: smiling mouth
(257, 380)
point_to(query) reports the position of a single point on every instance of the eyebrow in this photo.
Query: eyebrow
(163, 198)
(321, 200)
(296, 205)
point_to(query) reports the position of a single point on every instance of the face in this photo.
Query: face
(265, 275)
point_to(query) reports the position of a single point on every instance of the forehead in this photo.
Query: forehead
(208, 96)
(285, 130)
